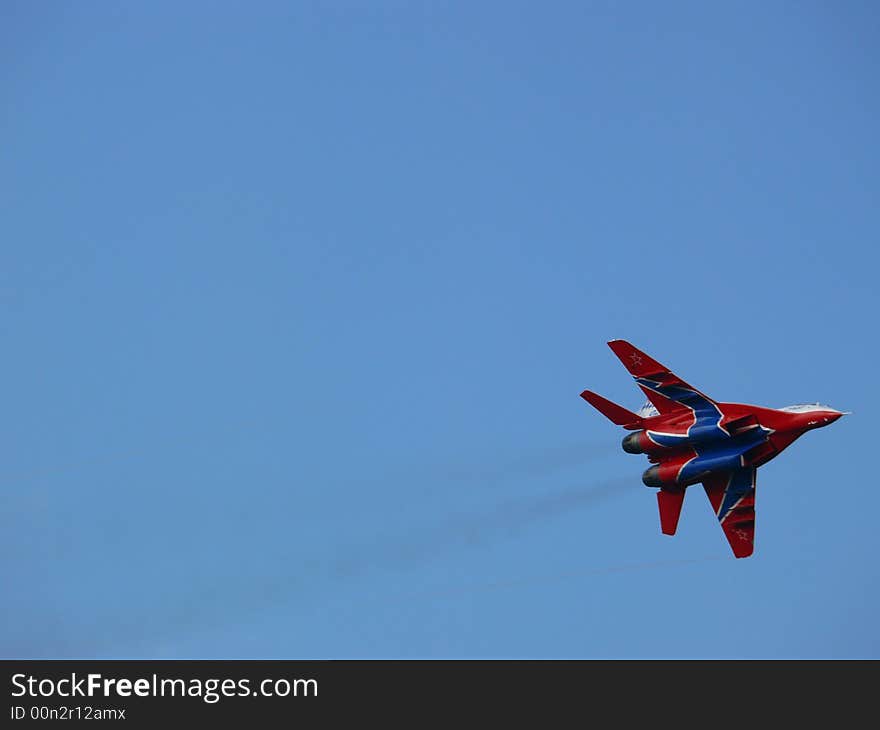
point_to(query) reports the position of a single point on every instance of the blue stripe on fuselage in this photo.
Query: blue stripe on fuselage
(715, 448)
(721, 455)
(707, 416)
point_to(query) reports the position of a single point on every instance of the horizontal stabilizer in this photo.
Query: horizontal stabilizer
(669, 501)
(613, 412)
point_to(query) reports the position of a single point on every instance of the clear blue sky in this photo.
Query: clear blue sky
(298, 298)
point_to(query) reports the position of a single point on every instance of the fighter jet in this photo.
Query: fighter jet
(690, 438)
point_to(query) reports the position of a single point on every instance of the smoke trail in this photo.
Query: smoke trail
(216, 604)
(568, 575)
(476, 529)
(532, 462)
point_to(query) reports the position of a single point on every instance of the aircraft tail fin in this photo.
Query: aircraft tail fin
(613, 412)
(638, 363)
(669, 501)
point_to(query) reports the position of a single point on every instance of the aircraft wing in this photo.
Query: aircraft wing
(668, 392)
(732, 495)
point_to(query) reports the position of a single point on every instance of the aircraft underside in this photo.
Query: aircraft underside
(690, 438)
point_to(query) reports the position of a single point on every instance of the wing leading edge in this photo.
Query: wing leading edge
(668, 392)
(732, 495)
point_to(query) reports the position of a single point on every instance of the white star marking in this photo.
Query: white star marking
(636, 360)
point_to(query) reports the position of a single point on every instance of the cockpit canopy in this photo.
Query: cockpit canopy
(807, 407)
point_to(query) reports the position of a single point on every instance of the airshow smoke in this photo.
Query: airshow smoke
(236, 597)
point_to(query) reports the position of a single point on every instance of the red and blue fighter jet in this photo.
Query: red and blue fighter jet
(690, 438)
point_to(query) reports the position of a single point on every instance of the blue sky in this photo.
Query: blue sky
(298, 298)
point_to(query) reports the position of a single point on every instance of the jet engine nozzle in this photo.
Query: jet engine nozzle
(632, 443)
(651, 477)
